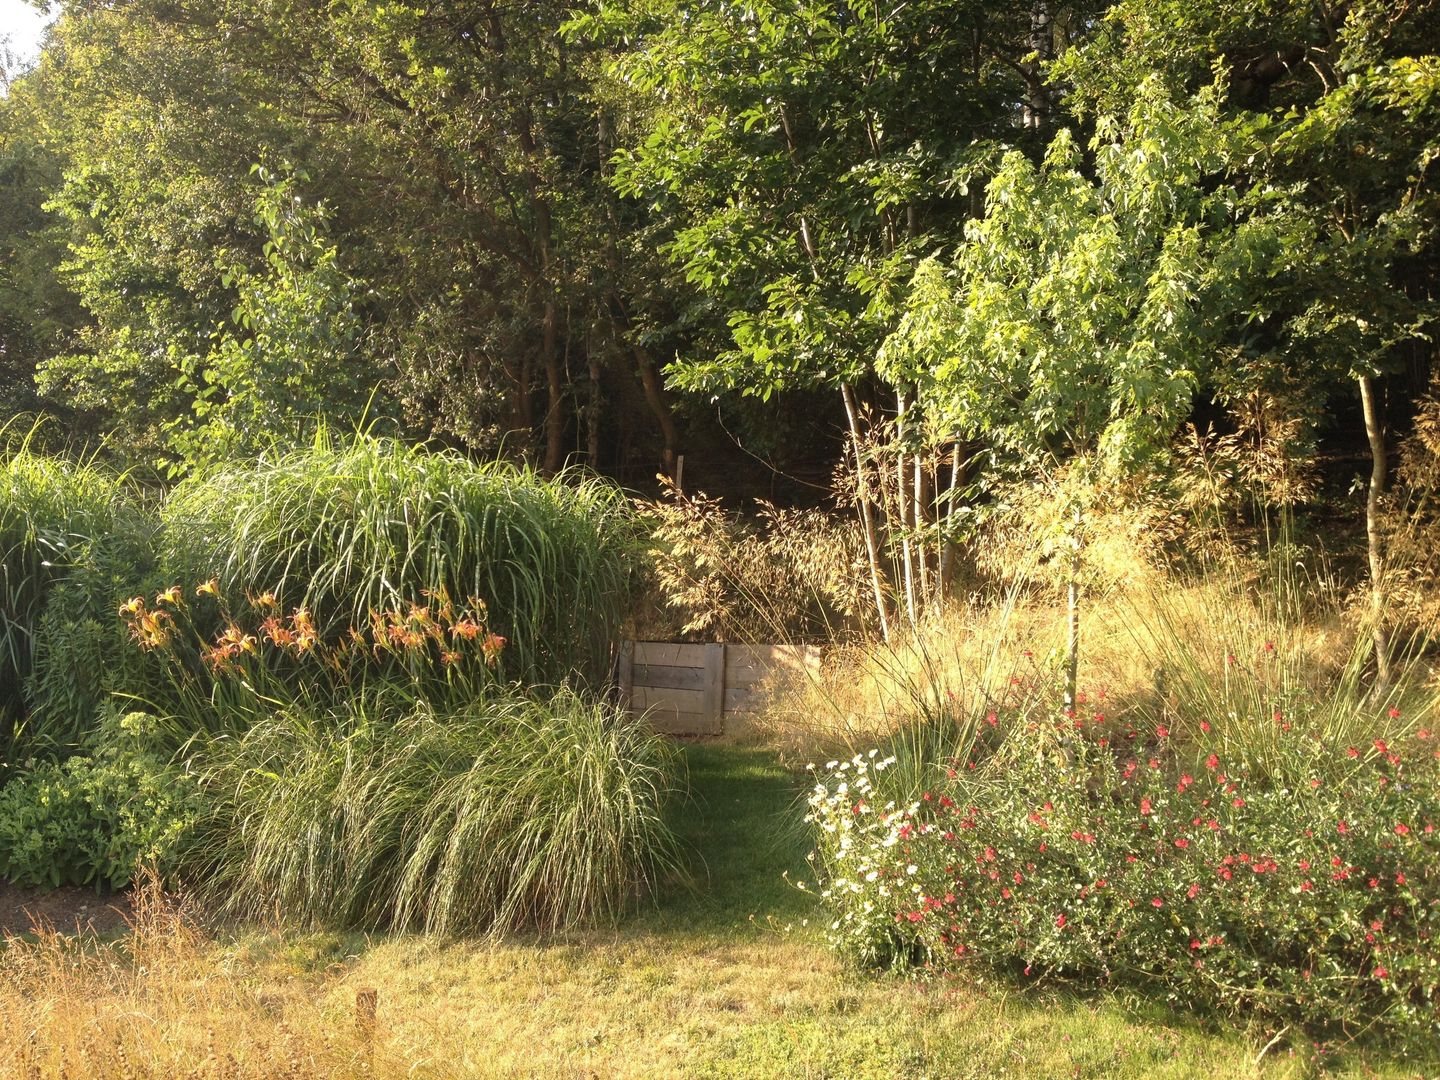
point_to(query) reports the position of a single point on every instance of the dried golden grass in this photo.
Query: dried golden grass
(162, 1002)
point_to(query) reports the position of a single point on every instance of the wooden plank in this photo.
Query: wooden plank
(625, 672)
(677, 678)
(669, 722)
(747, 678)
(744, 701)
(715, 682)
(670, 654)
(651, 697)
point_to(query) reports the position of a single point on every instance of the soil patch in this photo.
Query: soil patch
(68, 909)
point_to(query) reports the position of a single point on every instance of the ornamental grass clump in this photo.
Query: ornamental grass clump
(345, 530)
(1314, 903)
(516, 812)
(63, 524)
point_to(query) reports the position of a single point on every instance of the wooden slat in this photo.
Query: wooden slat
(715, 682)
(625, 672)
(744, 701)
(677, 678)
(669, 722)
(670, 654)
(650, 697)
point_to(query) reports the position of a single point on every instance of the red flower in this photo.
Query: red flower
(1394, 713)
(1212, 762)
(1193, 892)
(1238, 803)
(1157, 902)
(1381, 746)
(1381, 973)
(1060, 921)
(1352, 752)
(1205, 726)
(1145, 805)
(1401, 829)
(1162, 731)
(1182, 843)
(1399, 879)
(1342, 827)
(1305, 886)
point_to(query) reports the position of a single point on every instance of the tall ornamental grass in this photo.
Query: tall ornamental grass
(57, 518)
(347, 529)
(516, 812)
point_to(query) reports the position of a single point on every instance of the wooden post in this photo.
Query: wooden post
(715, 686)
(625, 673)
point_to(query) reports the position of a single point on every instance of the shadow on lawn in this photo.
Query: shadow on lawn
(741, 833)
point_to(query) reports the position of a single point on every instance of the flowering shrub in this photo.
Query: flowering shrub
(1317, 903)
(437, 648)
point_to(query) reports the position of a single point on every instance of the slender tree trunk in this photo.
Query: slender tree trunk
(867, 518)
(902, 501)
(947, 549)
(922, 519)
(1374, 543)
(1072, 612)
(592, 414)
(659, 407)
(555, 388)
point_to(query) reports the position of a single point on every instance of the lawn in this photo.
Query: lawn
(720, 978)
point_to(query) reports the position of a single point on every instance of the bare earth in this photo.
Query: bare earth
(23, 910)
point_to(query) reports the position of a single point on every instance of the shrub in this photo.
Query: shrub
(514, 812)
(94, 820)
(368, 526)
(1315, 903)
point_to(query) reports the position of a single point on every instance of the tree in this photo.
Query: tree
(800, 158)
(1344, 102)
(1075, 324)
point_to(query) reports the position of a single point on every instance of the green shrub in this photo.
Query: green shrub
(345, 531)
(514, 812)
(1317, 903)
(94, 820)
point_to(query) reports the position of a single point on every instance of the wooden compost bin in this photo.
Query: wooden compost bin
(690, 689)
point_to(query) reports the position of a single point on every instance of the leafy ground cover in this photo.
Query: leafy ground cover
(725, 979)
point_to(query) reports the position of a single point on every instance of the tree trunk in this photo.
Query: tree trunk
(902, 502)
(1072, 612)
(922, 520)
(555, 387)
(592, 414)
(659, 407)
(867, 518)
(947, 549)
(1374, 543)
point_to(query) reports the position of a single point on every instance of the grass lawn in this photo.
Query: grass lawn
(712, 983)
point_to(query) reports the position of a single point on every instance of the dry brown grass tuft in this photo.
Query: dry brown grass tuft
(163, 1002)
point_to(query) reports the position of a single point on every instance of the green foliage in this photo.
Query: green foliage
(1080, 313)
(52, 511)
(350, 529)
(1075, 854)
(94, 820)
(291, 357)
(513, 812)
(799, 166)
